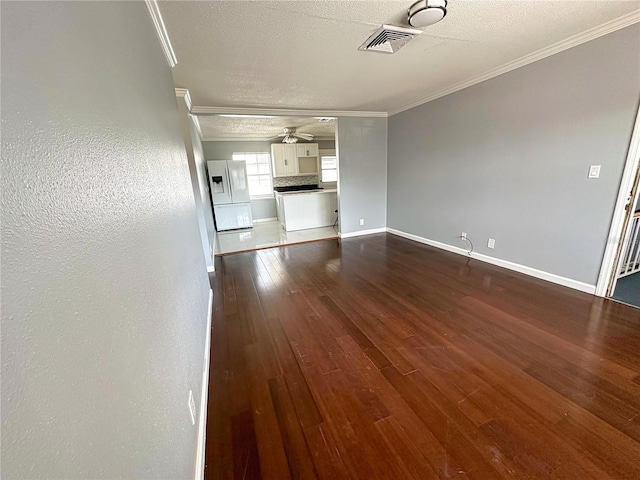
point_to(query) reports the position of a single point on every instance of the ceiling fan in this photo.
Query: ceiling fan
(289, 135)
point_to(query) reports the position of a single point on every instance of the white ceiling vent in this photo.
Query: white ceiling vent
(389, 39)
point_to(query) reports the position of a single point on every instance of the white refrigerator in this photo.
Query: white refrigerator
(230, 194)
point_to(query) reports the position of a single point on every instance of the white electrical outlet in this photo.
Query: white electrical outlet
(362, 221)
(491, 243)
(594, 171)
(463, 235)
(192, 408)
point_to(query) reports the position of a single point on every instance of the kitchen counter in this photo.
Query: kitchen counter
(304, 192)
(304, 209)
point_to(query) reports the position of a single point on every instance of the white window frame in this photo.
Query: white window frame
(327, 152)
(268, 154)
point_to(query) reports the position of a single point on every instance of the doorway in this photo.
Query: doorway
(292, 196)
(620, 273)
(626, 282)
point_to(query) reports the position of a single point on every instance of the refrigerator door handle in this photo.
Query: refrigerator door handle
(229, 183)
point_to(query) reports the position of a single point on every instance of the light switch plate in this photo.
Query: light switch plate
(594, 171)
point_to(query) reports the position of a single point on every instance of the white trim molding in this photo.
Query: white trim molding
(360, 233)
(616, 235)
(196, 122)
(184, 94)
(281, 112)
(533, 272)
(158, 23)
(573, 41)
(204, 396)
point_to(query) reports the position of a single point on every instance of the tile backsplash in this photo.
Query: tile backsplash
(294, 181)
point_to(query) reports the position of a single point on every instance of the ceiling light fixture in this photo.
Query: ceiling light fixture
(289, 135)
(427, 12)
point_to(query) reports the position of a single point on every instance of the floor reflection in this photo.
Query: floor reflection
(267, 234)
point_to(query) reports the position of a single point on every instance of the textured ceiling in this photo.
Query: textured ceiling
(224, 128)
(304, 54)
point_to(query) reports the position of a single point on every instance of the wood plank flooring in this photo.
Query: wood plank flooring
(381, 358)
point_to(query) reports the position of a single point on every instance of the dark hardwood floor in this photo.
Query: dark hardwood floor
(380, 358)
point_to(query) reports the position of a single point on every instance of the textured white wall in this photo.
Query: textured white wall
(104, 285)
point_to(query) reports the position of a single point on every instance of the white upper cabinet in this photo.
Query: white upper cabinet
(285, 160)
(307, 149)
(298, 159)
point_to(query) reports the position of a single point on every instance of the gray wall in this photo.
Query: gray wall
(362, 170)
(203, 183)
(224, 150)
(262, 208)
(326, 144)
(508, 158)
(104, 284)
(195, 159)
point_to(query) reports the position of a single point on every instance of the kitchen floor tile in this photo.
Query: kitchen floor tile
(267, 234)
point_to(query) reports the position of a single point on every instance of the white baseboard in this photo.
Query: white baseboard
(363, 232)
(204, 396)
(262, 220)
(550, 277)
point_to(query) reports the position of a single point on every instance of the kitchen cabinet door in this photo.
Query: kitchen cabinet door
(307, 149)
(284, 160)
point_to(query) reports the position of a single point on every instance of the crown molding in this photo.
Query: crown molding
(200, 110)
(575, 40)
(184, 94)
(158, 23)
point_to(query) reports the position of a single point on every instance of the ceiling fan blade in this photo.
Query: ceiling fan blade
(304, 136)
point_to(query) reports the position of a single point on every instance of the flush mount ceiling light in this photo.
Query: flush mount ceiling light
(427, 12)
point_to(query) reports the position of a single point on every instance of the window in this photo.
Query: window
(258, 172)
(329, 168)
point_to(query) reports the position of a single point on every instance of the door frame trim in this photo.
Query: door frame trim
(616, 235)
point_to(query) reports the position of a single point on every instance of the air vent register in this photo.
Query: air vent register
(389, 39)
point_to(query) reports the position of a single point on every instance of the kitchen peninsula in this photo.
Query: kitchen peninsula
(306, 206)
